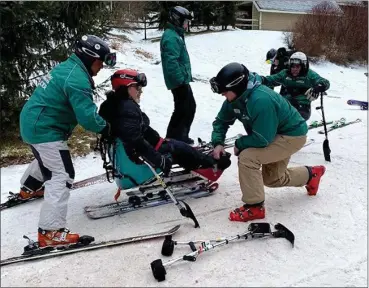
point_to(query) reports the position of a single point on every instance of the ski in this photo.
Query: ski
(135, 203)
(15, 200)
(33, 252)
(316, 124)
(339, 124)
(363, 104)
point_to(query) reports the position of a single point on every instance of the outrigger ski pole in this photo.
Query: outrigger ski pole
(255, 230)
(185, 209)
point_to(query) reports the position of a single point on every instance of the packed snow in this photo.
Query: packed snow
(330, 229)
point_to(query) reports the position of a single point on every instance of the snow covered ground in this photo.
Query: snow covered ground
(330, 229)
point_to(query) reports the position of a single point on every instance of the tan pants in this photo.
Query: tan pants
(273, 161)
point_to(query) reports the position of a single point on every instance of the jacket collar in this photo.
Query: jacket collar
(179, 30)
(253, 83)
(74, 58)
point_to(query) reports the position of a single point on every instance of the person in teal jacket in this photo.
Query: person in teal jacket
(62, 99)
(275, 131)
(176, 67)
(302, 85)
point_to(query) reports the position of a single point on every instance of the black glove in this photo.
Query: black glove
(106, 133)
(319, 88)
(263, 79)
(166, 164)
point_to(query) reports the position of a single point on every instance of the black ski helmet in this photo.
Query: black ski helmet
(271, 54)
(301, 59)
(232, 77)
(178, 14)
(89, 48)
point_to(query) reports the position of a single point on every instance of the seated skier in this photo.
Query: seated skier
(137, 139)
(303, 85)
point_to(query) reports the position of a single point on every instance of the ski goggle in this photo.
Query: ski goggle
(216, 88)
(110, 59)
(139, 80)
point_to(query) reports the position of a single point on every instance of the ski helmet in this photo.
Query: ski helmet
(232, 77)
(300, 59)
(270, 54)
(90, 47)
(127, 77)
(178, 14)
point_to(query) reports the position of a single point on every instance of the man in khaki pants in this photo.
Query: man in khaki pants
(275, 131)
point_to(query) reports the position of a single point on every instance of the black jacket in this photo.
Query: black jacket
(283, 57)
(132, 127)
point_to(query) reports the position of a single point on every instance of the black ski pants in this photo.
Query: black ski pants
(183, 114)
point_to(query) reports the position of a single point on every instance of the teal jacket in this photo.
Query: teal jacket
(174, 57)
(62, 99)
(296, 86)
(263, 113)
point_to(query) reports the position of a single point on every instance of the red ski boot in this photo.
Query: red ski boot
(247, 213)
(316, 173)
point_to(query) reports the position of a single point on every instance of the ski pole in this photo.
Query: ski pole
(255, 230)
(326, 148)
(186, 209)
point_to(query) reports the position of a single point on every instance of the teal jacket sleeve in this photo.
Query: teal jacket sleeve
(171, 49)
(224, 119)
(264, 125)
(80, 95)
(316, 79)
(275, 80)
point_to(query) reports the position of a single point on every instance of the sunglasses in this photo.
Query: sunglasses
(110, 59)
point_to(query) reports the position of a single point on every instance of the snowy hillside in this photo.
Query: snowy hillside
(330, 229)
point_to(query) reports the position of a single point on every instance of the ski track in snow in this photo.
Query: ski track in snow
(330, 228)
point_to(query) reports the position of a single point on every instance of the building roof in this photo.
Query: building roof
(291, 6)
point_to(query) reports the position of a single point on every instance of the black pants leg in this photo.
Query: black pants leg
(304, 110)
(183, 114)
(186, 156)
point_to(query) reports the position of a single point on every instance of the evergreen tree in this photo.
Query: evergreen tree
(34, 37)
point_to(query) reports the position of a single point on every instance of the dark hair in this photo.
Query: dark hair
(122, 92)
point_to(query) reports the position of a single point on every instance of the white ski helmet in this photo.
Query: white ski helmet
(301, 59)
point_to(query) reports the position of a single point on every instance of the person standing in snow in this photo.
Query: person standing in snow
(62, 99)
(177, 74)
(303, 85)
(275, 131)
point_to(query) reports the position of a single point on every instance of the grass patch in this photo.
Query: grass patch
(144, 53)
(14, 151)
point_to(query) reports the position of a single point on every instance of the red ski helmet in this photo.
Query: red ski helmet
(127, 77)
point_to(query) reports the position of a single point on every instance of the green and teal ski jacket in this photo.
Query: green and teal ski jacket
(263, 113)
(62, 99)
(175, 60)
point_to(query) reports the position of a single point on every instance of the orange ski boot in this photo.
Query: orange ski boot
(56, 237)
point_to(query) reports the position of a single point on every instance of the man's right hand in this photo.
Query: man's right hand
(218, 150)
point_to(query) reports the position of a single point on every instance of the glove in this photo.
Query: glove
(106, 133)
(166, 165)
(313, 93)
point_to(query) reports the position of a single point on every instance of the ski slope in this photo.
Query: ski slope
(330, 229)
